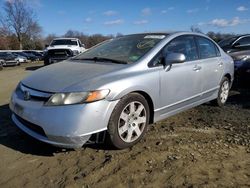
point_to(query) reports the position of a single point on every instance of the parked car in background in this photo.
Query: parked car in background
(19, 58)
(120, 86)
(36, 54)
(8, 59)
(61, 49)
(239, 49)
(242, 65)
(1, 64)
(235, 44)
(30, 57)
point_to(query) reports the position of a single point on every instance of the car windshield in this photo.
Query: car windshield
(19, 53)
(4, 54)
(63, 42)
(127, 49)
(10, 55)
(227, 42)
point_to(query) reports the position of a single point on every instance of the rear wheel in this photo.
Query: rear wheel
(129, 120)
(223, 92)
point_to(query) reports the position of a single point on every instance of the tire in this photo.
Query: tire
(223, 92)
(128, 122)
(46, 61)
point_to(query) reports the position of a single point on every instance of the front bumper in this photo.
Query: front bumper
(56, 60)
(9, 63)
(65, 126)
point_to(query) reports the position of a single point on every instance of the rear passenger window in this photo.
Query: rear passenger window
(207, 48)
(185, 45)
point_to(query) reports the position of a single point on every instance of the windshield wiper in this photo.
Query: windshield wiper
(102, 59)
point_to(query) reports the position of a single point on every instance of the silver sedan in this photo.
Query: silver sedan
(119, 87)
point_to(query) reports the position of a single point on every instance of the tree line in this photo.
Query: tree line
(19, 29)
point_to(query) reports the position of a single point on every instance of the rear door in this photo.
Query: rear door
(212, 66)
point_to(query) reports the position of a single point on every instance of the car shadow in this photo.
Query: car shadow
(12, 137)
(240, 95)
(33, 68)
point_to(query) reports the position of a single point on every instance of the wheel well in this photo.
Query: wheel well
(229, 77)
(150, 104)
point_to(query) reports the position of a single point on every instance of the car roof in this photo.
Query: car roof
(65, 39)
(237, 36)
(168, 33)
(151, 33)
(245, 35)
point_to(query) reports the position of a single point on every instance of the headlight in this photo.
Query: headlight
(76, 97)
(245, 58)
(75, 52)
(45, 52)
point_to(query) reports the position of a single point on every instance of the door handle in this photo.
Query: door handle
(220, 64)
(196, 68)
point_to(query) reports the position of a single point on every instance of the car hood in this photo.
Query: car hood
(239, 55)
(20, 57)
(62, 47)
(61, 76)
(8, 58)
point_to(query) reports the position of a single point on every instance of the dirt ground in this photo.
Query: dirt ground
(206, 146)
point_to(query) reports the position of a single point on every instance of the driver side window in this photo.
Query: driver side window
(185, 45)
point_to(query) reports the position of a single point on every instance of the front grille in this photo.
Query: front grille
(34, 95)
(38, 98)
(37, 129)
(60, 53)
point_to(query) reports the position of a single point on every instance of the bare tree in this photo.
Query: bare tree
(195, 29)
(20, 20)
(88, 40)
(220, 36)
(49, 38)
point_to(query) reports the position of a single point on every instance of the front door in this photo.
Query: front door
(182, 84)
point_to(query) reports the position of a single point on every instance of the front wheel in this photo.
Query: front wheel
(129, 120)
(223, 92)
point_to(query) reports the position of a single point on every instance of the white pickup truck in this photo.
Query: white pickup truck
(61, 49)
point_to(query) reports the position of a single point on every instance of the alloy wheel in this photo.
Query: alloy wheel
(224, 91)
(132, 121)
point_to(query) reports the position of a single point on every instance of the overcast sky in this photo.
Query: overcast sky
(132, 16)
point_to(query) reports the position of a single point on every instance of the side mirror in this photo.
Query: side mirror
(46, 45)
(237, 45)
(173, 58)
